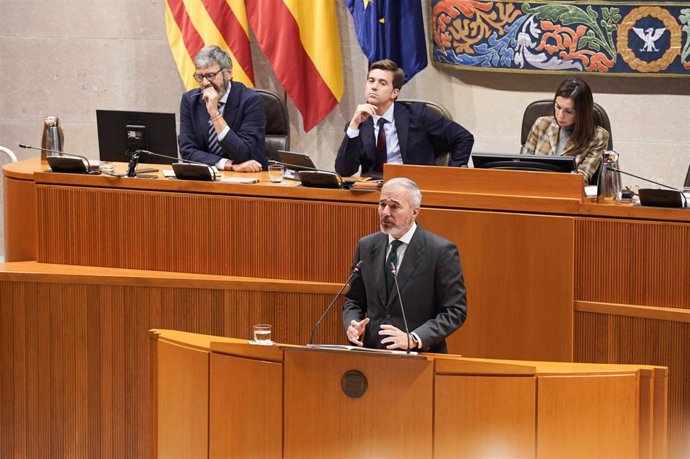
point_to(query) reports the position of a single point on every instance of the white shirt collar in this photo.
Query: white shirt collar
(388, 115)
(224, 99)
(407, 237)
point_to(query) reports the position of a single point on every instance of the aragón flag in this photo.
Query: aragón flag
(193, 24)
(300, 39)
(391, 29)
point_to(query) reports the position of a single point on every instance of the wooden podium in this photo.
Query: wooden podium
(223, 397)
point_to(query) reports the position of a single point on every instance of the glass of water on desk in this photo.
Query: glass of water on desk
(262, 334)
(275, 173)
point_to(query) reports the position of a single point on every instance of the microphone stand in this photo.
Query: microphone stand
(615, 169)
(132, 166)
(394, 272)
(355, 270)
(55, 152)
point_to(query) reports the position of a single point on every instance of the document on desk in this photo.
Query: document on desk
(347, 348)
(239, 180)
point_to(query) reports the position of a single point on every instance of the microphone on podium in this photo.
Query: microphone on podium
(394, 272)
(354, 272)
(65, 162)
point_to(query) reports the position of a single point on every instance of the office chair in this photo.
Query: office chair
(277, 123)
(442, 158)
(545, 108)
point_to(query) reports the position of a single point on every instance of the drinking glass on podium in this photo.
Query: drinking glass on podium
(262, 334)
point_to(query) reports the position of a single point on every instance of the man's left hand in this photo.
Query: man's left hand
(395, 338)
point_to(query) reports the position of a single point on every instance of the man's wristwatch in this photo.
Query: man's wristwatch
(416, 342)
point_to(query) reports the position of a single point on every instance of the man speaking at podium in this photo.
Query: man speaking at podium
(429, 276)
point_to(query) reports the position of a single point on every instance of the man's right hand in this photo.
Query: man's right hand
(247, 166)
(362, 112)
(356, 330)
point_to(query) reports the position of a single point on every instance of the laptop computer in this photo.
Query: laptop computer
(297, 161)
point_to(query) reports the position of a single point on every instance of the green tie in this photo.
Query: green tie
(392, 260)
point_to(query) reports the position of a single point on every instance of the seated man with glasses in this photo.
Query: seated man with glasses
(222, 123)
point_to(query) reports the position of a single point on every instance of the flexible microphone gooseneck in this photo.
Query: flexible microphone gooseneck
(355, 271)
(394, 272)
(66, 156)
(180, 161)
(188, 161)
(673, 197)
(615, 169)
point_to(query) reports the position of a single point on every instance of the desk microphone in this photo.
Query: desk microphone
(672, 197)
(394, 272)
(185, 169)
(355, 271)
(60, 161)
(615, 169)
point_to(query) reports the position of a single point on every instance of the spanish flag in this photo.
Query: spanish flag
(300, 39)
(193, 24)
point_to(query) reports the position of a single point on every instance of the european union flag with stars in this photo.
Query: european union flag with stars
(391, 29)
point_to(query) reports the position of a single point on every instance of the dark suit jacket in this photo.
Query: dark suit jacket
(431, 284)
(244, 113)
(422, 133)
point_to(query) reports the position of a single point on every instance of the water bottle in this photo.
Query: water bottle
(53, 137)
(609, 185)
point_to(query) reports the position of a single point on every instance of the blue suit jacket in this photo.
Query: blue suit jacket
(245, 115)
(422, 134)
(431, 284)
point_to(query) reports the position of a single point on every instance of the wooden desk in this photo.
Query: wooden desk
(221, 397)
(550, 275)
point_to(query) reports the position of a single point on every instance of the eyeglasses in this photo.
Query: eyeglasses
(199, 77)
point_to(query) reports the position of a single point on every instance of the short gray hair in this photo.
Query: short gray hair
(410, 186)
(210, 55)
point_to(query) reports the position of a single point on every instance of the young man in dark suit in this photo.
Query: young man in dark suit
(429, 276)
(222, 123)
(382, 131)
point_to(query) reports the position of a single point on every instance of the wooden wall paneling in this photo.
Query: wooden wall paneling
(183, 401)
(490, 181)
(595, 416)
(321, 421)
(637, 264)
(608, 338)
(19, 219)
(75, 357)
(246, 408)
(484, 416)
(633, 262)
(197, 233)
(518, 272)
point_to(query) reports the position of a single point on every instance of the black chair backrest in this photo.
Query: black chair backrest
(277, 123)
(442, 153)
(544, 107)
(687, 179)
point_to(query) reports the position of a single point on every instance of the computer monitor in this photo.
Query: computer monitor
(540, 163)
(122, 132)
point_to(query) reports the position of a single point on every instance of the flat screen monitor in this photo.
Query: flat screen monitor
(122, 132)
(540, 163)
